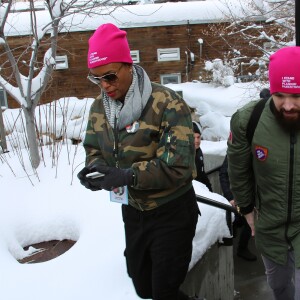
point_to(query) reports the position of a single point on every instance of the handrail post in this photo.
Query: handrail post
(228, 241)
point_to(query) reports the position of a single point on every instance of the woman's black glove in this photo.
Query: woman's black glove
(113, 177)
(84, 180)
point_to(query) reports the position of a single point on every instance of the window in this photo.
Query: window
(168, 54)
(3, 98)
(61, 62)
(170, 78)
(135, 55)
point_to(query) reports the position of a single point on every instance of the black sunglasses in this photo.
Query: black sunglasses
(110, 77)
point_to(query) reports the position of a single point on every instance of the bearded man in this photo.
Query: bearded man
(265, 174)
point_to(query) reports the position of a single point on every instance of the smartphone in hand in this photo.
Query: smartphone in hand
(94, 175)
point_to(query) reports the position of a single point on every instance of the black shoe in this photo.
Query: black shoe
(246, 254)
(196, 298)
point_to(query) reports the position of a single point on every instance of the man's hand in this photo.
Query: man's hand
(232, 202)
(250, 220)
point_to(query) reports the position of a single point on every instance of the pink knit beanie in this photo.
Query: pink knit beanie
(284, 71)
(107, 45)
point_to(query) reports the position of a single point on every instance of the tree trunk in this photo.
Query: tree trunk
(2, 133)
(32, 137)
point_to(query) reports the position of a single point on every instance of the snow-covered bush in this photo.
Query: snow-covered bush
(222, 74)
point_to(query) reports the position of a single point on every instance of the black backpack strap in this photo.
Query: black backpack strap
(254, 118)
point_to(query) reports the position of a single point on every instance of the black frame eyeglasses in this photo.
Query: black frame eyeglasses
(110, 77)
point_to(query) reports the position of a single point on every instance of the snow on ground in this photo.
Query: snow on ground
(51, 204)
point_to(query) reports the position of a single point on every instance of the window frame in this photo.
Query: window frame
(135, 55)
(61, 62)
(4, 99)
(163, 76)
(166, 54)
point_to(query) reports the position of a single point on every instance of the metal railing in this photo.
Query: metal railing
(213, 170)
(229, 210)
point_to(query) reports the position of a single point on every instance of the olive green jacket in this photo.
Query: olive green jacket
(266, 174)
(161, 152)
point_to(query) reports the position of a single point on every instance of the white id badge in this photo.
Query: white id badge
(119, 194)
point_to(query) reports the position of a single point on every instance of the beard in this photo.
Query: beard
(288, 124)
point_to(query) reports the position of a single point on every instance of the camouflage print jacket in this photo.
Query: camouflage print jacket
(161, 152)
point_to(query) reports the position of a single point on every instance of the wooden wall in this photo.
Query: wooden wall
(73, 81)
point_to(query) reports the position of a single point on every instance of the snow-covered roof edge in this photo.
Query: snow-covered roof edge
(132, 16)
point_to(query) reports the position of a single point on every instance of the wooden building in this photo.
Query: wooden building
(171, 42)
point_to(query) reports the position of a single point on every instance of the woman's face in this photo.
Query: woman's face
(114, 79)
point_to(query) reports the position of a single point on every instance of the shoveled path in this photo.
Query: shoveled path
(250, 281)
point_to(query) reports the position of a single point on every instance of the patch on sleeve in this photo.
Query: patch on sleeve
(230, 138)
(261, 153)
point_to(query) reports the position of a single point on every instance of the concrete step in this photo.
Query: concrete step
(250, 281)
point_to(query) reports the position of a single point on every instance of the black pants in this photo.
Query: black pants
(245, 231)
(159, 246)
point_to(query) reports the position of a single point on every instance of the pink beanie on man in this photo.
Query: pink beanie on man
(284, 71)
(108, 45)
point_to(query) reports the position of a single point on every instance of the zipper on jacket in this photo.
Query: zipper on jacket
(290, 187)
(168, 147)
(116, 142)
(116, 153)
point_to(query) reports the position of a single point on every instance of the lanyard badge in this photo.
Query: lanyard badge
(119, 195)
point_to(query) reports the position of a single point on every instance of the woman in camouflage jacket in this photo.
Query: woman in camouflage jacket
(139, 135)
